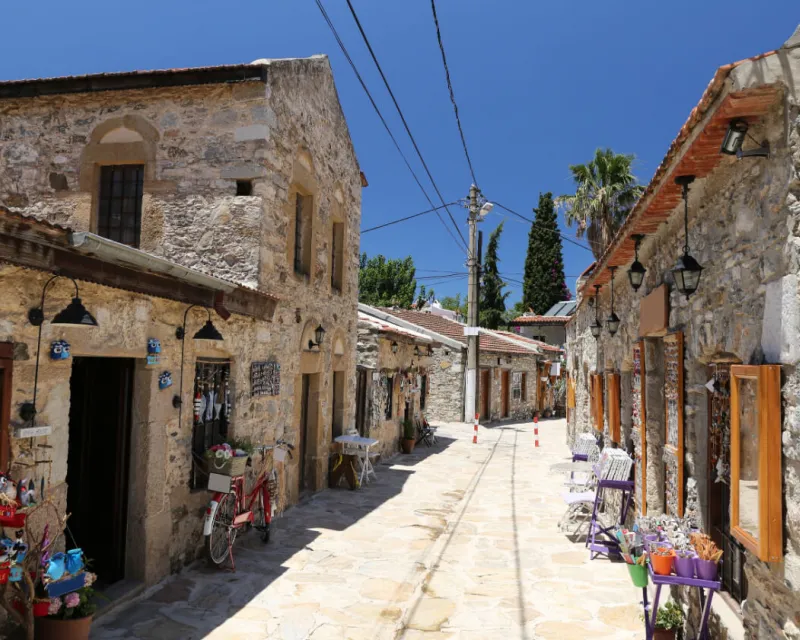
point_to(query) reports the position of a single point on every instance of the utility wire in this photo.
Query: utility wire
(402, 117)
(450, 88)
(383, 120)
(563, 236)
(416, 215)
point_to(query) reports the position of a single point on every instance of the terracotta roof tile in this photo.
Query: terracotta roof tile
(538, 343)
(526, 320)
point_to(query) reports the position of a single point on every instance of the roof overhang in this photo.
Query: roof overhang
(694, 151)
(386, 317)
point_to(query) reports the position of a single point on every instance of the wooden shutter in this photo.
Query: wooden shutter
(612, 387)
(673, 438)
(597, 401)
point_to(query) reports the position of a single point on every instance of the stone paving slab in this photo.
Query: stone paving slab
(457, 541)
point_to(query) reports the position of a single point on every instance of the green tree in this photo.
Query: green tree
(493, 300)
(424, 296)
(386, 283)
(543, 283)
(455, 303)
(605, 192)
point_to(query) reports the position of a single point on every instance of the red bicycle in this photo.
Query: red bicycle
(235, 509)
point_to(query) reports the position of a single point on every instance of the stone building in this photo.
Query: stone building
(669, 384)
(510, 376)
(392, 365)
(550, 327)
(235, 189)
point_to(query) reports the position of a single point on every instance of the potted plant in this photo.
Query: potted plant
(409, 439)
(229, 458)
(661, 557)
(708, 556)
(668, 620)
(69, 617)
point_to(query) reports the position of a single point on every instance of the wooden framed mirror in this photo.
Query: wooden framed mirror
(756, 501)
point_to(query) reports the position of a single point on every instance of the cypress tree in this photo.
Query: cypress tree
(543, 283)
(493, 300)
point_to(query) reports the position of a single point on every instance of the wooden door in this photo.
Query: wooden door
(6, 371)
(486, 393)
(504, 393)
(304, 411)
(361, 402)
(98, 460)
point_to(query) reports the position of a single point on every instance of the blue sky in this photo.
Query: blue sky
(539, 86)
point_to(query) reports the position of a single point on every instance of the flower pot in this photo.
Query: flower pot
(408, 444)
(662, 565)
(638, 573)
(706, 569)
(684, 567)
(664, 634)
(55, 629)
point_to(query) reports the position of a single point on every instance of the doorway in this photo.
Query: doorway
(98, 461)
(309, 403)
(485, 393)
(337, 413)
(504, 392)
(361, 402)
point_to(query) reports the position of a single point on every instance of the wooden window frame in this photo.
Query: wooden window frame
(612, 389)
(769, 545)
(388, 413)
(524, 387)
(641, 472)
(106, 204)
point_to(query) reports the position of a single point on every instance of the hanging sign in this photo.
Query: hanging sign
(265, 378)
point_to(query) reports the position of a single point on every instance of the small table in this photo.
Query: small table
(659, 581)
(363, 444)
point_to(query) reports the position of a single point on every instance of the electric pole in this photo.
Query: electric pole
(471, 331)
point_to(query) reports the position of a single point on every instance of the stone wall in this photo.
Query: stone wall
(519, 409)
(446, 379)
(284, 136)
(745, 230)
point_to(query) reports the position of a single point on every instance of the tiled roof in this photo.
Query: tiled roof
(383, 326)
(696, 148)
(455, 330)
(536, 320)
(538, 343)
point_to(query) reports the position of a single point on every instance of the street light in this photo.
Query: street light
(613, 318)
(596, 328)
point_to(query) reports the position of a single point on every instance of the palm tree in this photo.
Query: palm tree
(606, 191)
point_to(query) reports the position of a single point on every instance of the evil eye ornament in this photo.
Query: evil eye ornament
(59, 350)
(153, 346)
(165, 380)
(56, 566)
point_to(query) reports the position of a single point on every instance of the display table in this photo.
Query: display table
(650, 613)
(363, 445)
(601, 540)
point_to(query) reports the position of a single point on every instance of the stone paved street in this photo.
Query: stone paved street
(457, 541)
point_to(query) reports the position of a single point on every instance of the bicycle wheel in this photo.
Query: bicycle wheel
(260, 522)
(217, 542)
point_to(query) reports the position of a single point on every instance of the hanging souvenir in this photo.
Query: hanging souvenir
(165, 380)
(153, 346)
(59, 350)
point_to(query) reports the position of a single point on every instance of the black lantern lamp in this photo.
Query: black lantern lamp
(394, 347)
(319, 336)
(73, 315)
(596, 328)
(734, 138)
(687, 270)
(207, 332)
(637, 270)
(612, 322)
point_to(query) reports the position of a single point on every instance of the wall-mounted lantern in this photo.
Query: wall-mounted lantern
(596, 328)
(319, 336)
(394, 347)
(636, 271)
(613, 319)
(734, 138)
(687, 270)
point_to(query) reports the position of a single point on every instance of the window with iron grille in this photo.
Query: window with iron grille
(389, 396)
(211, 413)
(119, 213)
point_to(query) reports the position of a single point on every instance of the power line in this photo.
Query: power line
(402, 117)
(382, 119)
(563, 236)
(416, 215)
(452, 95)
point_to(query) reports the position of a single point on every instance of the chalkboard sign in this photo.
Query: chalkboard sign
(265, 378)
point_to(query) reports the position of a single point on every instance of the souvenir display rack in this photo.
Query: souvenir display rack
(673, 441)
(638, 412)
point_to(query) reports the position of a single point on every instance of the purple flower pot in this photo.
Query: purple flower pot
(684, 567)
(706, 569)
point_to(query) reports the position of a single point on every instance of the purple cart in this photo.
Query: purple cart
(582, 457)
(601, 540)
(705, 600)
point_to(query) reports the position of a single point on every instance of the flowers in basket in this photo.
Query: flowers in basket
(226, 451)
(78, 604)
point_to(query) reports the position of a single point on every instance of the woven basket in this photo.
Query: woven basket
(231, 467)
